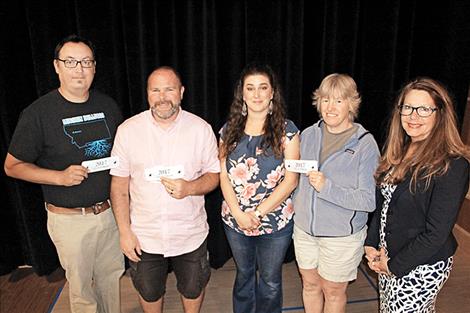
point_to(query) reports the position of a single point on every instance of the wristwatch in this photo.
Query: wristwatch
(258, 214)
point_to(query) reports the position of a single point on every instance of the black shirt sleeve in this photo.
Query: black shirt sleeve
(27, 141)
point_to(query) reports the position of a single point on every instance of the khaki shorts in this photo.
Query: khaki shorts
(336, 258)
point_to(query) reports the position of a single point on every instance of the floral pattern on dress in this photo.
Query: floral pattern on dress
(254, 175)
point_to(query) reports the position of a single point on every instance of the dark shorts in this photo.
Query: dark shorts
(192, 273)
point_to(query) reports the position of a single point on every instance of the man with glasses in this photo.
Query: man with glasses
(63, 142)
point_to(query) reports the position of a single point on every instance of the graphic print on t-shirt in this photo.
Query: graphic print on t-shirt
(89, 132)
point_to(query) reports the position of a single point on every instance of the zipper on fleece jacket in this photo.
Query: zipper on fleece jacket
(346, 148)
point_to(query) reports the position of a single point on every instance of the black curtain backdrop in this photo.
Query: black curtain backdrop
(381, 44)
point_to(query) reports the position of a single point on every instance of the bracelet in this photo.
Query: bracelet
(258, 214)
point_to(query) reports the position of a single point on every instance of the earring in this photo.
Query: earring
(270, 108)
(244, 109)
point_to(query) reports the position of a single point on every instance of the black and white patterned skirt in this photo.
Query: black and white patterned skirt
(417, 291)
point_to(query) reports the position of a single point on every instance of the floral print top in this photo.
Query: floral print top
(254, 176)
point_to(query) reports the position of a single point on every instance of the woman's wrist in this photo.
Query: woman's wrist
(387, 269)
(259, 214)
(235, 211)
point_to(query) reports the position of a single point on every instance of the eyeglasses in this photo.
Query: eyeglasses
(72, 63)
(422, 111)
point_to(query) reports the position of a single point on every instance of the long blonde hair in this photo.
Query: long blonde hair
(432, 155)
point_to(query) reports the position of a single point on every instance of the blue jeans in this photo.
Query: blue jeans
(265, 253)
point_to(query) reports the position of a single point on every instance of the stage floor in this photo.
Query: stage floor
(362, 293)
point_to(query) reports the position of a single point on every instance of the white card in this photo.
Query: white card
(101, 164)
(173, 172)
(301, 166)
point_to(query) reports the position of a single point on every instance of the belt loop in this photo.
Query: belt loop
(96, 208)
(83, 211)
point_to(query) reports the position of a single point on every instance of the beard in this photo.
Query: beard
(164, 115)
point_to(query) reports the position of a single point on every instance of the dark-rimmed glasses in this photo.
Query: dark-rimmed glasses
(72, 63)
(422, 111)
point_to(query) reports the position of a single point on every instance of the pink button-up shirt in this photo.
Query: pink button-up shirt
(162, 224)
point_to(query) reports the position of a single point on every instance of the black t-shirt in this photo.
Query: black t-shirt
(55, 133)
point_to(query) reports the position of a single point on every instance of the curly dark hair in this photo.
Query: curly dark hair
(274, 125)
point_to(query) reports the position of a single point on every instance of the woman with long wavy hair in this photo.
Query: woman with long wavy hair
(257, 210)
(422, 179)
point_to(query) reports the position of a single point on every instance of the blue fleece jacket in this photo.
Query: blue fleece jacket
(342, 206)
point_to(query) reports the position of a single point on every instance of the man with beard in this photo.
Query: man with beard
(167, 163)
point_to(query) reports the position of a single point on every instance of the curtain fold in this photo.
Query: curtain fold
(381, 44)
